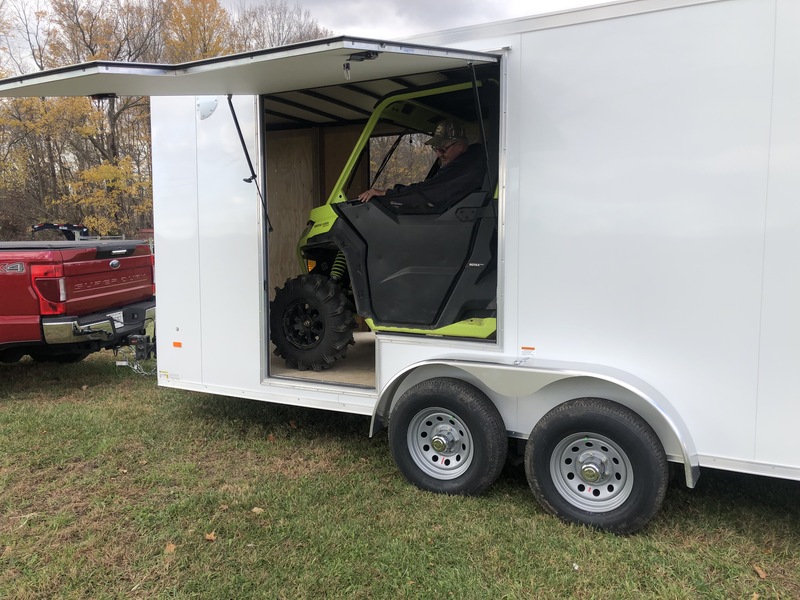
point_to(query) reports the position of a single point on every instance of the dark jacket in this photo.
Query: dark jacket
(454, 181)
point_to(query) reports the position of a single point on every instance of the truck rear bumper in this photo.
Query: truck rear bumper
(106, 328)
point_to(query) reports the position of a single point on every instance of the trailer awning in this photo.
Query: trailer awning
(328, 62)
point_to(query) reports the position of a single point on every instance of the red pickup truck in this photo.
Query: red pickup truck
(60, 301)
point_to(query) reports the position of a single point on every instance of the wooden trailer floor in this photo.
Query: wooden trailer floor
(357, 369)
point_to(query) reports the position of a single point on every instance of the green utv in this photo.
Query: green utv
(428, 273)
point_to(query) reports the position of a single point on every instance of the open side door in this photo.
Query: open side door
(331, 61)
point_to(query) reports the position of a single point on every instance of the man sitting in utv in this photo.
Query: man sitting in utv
(462, 171)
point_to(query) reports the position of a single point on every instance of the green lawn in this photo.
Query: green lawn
(112, 487)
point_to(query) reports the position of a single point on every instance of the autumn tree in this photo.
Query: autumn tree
(197, 29)
(88, 160)
(273, 23)
(40, 132)
(117, 30)
(118, 197)
(28, 35)
(409, 161)
(52, 142)
(4, 26)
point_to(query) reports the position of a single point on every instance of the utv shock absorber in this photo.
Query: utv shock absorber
(339, 267)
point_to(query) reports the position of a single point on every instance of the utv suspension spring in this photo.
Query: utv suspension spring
(339, 267)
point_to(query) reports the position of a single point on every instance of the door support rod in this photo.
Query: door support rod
(253, 178)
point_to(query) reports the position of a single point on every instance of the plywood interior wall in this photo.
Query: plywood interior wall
(302, 167)
(292, 191)
(337, 145)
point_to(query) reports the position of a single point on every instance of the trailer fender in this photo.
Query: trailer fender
(524, 393)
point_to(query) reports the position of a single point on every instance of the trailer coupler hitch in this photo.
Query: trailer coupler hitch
(143, 348)
(139, 348)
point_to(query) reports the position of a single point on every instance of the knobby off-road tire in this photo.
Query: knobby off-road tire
(597, 463)
(447, 437)
(311, 323)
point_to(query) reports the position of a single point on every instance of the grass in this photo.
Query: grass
(112, 487)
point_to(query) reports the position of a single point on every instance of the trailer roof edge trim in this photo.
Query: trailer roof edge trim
(328, 61)
(551, 20)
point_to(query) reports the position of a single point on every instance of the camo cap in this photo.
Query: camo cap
(447, 131)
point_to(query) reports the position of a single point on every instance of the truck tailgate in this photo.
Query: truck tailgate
(106, 275)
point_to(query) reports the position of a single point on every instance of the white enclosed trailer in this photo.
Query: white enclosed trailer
(648, 176)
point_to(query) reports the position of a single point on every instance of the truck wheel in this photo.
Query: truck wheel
(597, 463)
(311, 323)
(10, 356)
(447, 437)
(63, 358)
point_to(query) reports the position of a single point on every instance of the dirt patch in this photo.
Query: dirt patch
(297, 467)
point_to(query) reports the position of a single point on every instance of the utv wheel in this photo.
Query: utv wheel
(597, 463)
(447, 437)
(311, 323)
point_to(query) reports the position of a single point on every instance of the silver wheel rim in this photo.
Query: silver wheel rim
(440, 443)
(591, 472)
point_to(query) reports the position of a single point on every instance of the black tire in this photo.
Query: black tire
(311, 323)
(462, 422)
(62, 358)
(11, 356)
(597, 463)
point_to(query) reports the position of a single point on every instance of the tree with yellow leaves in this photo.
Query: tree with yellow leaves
(54, 147)
(197, 29)
(88, 160)
(111, 197)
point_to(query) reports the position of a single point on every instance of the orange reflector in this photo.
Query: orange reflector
(177, 344)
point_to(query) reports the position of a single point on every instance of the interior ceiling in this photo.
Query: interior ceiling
(349, 102)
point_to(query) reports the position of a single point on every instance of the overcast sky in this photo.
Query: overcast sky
(396, 19)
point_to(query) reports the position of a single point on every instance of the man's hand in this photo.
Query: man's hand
(369, 194)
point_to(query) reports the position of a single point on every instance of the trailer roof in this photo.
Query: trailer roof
(327, 62)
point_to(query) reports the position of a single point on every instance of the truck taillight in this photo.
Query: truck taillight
(51, 288)
(153, 271)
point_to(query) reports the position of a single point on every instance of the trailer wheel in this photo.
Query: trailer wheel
(311, 323)
(447, 437)
(597, 463)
